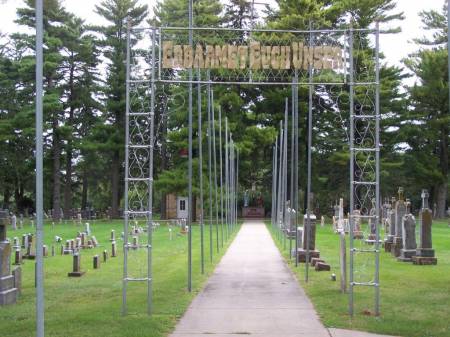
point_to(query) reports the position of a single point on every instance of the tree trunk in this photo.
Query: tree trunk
(56, 172)
(84, 191)
(6, 197)
(68, 177)
(68, 181)
(115, 172)
(441, 189)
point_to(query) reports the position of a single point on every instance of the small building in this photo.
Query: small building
(177, 207)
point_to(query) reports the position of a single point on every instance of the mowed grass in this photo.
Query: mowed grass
(415, 300)
(91, 305)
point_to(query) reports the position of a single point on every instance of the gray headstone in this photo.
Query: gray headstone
(409, 232)
(400, 211)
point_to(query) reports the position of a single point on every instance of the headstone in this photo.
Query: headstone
(87, 228)
(8, 293)
(343, 261)
(322, 221)
(391, 220)
(135, 244)
(113, 249)
(18, 257)
(340, 221)
(105, 255)
(425, 252)
(400, 211)
(94, 241)
(30, 253)
(68, 249)
(113, 235)
(308, 240)
(409, 238)
(372, 223)
(24, 241)
(357, 233)
(76, 270)
(96, 262)
(14, 222)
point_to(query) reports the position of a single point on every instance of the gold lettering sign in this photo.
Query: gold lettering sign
(253, 56)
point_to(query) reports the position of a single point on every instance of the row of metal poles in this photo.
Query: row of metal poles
(285, 192)
(223, 174)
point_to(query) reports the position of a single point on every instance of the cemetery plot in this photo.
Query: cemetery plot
(95, 297)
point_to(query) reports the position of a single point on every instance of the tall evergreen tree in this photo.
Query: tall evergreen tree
(118, 13)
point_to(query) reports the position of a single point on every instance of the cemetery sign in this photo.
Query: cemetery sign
(253, 55)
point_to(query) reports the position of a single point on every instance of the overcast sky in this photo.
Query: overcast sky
(395, 47)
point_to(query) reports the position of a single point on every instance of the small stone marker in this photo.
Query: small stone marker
(76, 272)
(87, 228)
(105, 255)
(425, 252)
(357, 233)
(96, 262)
(44, 251)
(113, 249)
(322, 221)
(322, 266)
(18, 257)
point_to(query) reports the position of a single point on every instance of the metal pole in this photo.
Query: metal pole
(200, 171)
(308, 196)
(448, 48)
(296, 203)
(221, 170)
(237, 185)
(280, 175)
(208, 87)
(272, 213)
(216, 203)
(127, 140)
(150, 183)
(275, 178)
(352, 156)
(292, 205)
(377, 168)
(39, 173)
(190, 159)
(285, 168)
(227, 176)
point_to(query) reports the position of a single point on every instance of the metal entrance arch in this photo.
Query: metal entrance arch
(350, 88)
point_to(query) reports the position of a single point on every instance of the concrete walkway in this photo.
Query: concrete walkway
(252, 292)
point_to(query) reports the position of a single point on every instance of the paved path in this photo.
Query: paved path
(252, 292)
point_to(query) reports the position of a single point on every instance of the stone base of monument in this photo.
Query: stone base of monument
(301, 255)
(316, 260)
(406, 255)
(358, 235)
(322, 266)
(8, 293)
(423, 260)
(76, 273)
(396, 246)
(425, 252)
(388, 244)
(29, 256)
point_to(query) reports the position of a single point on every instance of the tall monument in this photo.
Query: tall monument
(8, 292)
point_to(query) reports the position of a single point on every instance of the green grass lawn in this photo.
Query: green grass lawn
(415, 300)
(91, 305)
